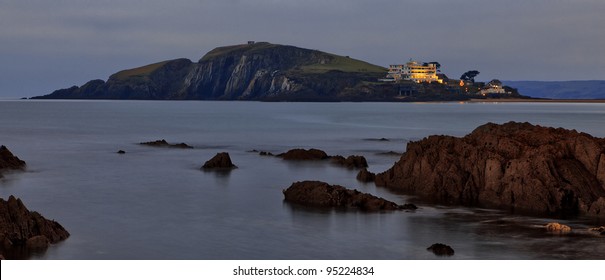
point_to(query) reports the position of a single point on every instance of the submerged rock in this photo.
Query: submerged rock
(351, 161)
(517, 166)
(321, 194)
(441, 249)
(8, 161)
(20, 227)
(302, 154)
(165, 144)
(219, 161)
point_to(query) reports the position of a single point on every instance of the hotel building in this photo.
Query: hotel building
(414, 71)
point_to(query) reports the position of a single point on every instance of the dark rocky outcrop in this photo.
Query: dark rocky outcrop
(440, 249)
(320, 194)
(316, 154)
(121, 152)
(164, 144)
(21, 228)
(219, 161)
(351, 161)
(302, 154)
(365, 176)
(517, 166)
(8, 161)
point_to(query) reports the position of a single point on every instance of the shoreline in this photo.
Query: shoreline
(531, 100)
(471, 100)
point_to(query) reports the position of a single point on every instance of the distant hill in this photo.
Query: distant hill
(560, 89)
(255, 71)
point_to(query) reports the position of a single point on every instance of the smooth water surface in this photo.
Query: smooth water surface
(156, 203)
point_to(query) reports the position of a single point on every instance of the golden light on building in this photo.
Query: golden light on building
(461, 83)
(415, 71)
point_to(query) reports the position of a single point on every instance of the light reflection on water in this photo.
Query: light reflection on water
(155, 203)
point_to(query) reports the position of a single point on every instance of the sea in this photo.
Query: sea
(156, 203)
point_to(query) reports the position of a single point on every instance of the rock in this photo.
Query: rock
(302, 154)
(263, 153)
(515, 166)
(408, 206)
(219, 161)
(365, 176)
(20, 227)
(38, 243)
(316, 193)
(8, 161)
(600, 230)
(441, 249)
(351, 161)
(121, 152)
(163, 143)
(557, 228)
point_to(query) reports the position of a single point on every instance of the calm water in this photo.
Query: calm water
(154, 203)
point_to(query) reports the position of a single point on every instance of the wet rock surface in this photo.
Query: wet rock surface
(321, 194)
(219, 161)
(600, 230)
(440, 249)
(365, 176)
(23, 229)
(8, 161)
(557, 228)
(516, 166)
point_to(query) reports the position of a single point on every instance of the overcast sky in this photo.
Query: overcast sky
(47, 45)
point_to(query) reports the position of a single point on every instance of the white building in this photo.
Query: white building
(493, 87)
(414, 71)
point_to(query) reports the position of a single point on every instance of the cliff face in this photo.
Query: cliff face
(260, 71)
(516, 166)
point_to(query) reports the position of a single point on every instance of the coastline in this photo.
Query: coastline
(534, 100)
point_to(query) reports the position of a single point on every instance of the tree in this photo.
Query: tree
(469, 75)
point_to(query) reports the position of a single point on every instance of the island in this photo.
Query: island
(271, 72)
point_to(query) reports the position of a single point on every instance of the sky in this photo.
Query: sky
(48, 45)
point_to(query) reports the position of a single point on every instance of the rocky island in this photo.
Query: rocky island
(266, 72)
(516, 166)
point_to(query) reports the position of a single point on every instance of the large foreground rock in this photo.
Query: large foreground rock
(316, 193)
(8, 161)
(516, 166)
(20, 227)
